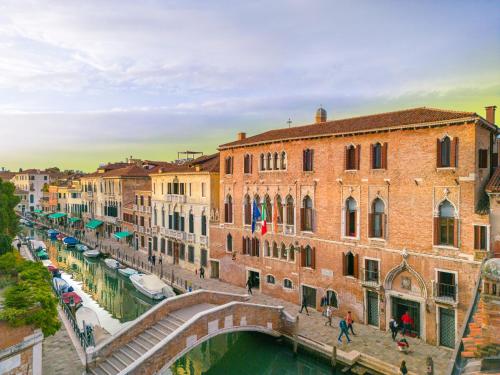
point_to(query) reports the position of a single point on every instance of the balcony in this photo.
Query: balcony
(145, 209)
(176, 234)
(204, 240)
(289, 229)
(134, 207)
(445, 293)
(175, 198)
(370, 278)
(147, 230)
(190, 237)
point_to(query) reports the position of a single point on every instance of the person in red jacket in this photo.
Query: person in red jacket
(407, 322)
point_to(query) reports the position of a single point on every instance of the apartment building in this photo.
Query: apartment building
(33, 181)
(376, 214)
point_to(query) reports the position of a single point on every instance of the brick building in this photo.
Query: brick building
(374, 214)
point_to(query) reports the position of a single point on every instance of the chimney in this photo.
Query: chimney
(242, 136)
(320, 115)
(490, 113)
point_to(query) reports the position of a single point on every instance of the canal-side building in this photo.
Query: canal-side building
(34, 181)
(141, 219)
(185, 198)
(376, 214)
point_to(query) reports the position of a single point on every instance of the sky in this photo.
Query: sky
(86, 82)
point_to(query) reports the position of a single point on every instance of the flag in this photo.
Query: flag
(255, 215)
(264, 217)
(275, 216)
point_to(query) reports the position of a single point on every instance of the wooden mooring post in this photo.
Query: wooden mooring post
(295, 338)
(334, 358)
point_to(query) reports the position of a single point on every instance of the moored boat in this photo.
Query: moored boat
(61, 285)
(151, 286)
(127, 272)
(91, 253)
(70, 241)
(70, 298)
(112, 263)
(60, 236)
(81, 247)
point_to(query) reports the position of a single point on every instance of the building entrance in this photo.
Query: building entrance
(400, 306)
(255, 277)
(310, 295)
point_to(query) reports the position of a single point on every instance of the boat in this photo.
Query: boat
(46, 262)
(42, 254)
(127, 272)
(86, 316)
(52, 233)
(91, 253)
(69, 297)
(70, 241)
(151, 286)
(112, 263)
(81, 247)
(60, 236)
(26, 222)
(61, 285)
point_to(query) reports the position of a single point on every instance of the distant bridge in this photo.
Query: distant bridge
(155, 340)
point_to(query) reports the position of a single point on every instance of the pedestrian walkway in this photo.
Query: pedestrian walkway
(368, 340)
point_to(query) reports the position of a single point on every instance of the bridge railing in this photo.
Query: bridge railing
(155, 314)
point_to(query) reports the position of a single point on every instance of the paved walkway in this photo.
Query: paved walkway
(368, 340)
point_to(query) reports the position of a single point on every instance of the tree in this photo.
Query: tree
(9, 223)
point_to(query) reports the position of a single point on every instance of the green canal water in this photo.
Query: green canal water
(116, 302)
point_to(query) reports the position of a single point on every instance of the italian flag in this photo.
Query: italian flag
(264, 217)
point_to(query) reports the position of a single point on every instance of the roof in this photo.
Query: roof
(493, 185)
(206, 163)
(381, 121)
(5, 175)
(132, 170)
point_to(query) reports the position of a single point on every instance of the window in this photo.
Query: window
(267, 249)
(350, 217)
(352, 157)
(262, 162)
(162, 245)
(275, 250)
(275, 161)
(444, 225)
(331, 299)
(480, 237)
(287, 284)
(247, 164)
(483, 158)
(170, 246)
(203, 224)
(307, 156)
(163, 217)
(268, 161)
(269, 209)
(306, 214)
(308, 257)
(228, 168)
(229, 243)
(255, 247)
(447, 152)
(371, 273)
(270, 279)
(191, 222)
(155, 216)
(182, 251)
(228, 210)
(203, 190)
(155, 243)
(283, 160)
(377, 219)
(247, 209)
(191, 254)
(350, 264)
(203, 257)
(446, 285)
(246, 247)
(292, 253)
(379, 156)
(284, 252)
(290, 211)
(279, 206)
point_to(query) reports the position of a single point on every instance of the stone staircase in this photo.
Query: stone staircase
(476, 344)
(130, 352)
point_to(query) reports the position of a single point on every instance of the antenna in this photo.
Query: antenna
(289, 122)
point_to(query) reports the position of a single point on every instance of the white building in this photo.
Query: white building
(33, 181)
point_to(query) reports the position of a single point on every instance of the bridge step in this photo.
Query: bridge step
(123, 358)
(128, 353)
(116, 363)
(161, 331)
(107, 368)
(150, 337)
(96, 371)
(177, 319)
(146, 344)
(155, 334)
(164, 326)
(139, 349)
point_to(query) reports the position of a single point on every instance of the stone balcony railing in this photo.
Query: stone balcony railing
(289, 229)
(204, 240)
(190, 237)
(445, 293)
(176, 234)
(175, 198)
(370, 278)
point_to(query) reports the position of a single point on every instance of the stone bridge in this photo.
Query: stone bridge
(155, 340)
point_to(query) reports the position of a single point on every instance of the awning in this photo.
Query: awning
(74, 219)
(38, 211)
(94, 224)
(57, 215)
(121, 235)
(45, 213)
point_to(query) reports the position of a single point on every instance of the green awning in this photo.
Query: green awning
(38, 211)
(57, 215)
(121, 235)
(45, 213)
(74, 219)
(94, 224)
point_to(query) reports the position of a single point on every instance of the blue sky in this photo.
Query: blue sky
(89, 82)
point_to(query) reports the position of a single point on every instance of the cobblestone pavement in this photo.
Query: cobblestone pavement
(368, 340)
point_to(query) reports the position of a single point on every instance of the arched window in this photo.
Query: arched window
(279, 205)
(444, 155)
(247, 164)
(155, 215)
(204, 223)
(162, 245)
(267, 249)
(283, 161)
(307, 163)
(275, 161)
(275, 250)
(284, 252)
(350, 217)
(269, 209)
(228, 166)
(255, 243)
(308, 257)
(229, 242)
(351, 158)
(290, 211)
(228, 209)
(350, 264)
(331, 299)
(447, 226)
(247, 210)
(270, 279)
(287, 283)
(269, 161)
(291, 252)
(307, 214)
(262, 162)
(377, 156)
(377, 219)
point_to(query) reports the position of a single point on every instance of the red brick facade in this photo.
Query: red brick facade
(411, 184)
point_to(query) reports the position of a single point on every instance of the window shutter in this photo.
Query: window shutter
(438, 153)
(302, 257)
(436, 231)
(370, 224)
(311, 160)
(477, 237)
(181, 186)
(344, 264)
(304, 160)
(250, 164)
(454, 153)
(371, 156)
(358, 156)
(226, 212)
(456, 225)
(356, 266)
(302, 218)
(182, 224)
(313, 258)
(384, 155)
(355, 217)
(383, 225)
(346, 164)
(230, 211)
(243, 245)
(347, 222)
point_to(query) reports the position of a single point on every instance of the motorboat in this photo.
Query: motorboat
(60, 236)
(85, 316)
(151, 286)
(70, 241)
(52, 233)
(127, 272)
(61, 285)
(42, 254)
(81, 247)
(26, 222)
(112, 263)
(70, 298)
(91, 253)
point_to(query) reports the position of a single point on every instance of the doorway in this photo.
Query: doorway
(372, 308)
(255, 277)
(447, 327)
(176, 253)
(400, 306)
(310, 295)
(214, 269)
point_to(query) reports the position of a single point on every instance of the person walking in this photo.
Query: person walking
(329, 313)
(402, 369)
(304, 305)
(249, 285)
(393, 326)
(150, 259)
(349, 320)
(407, 322)
(202, 272)
(343, 331)
(153, 258)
